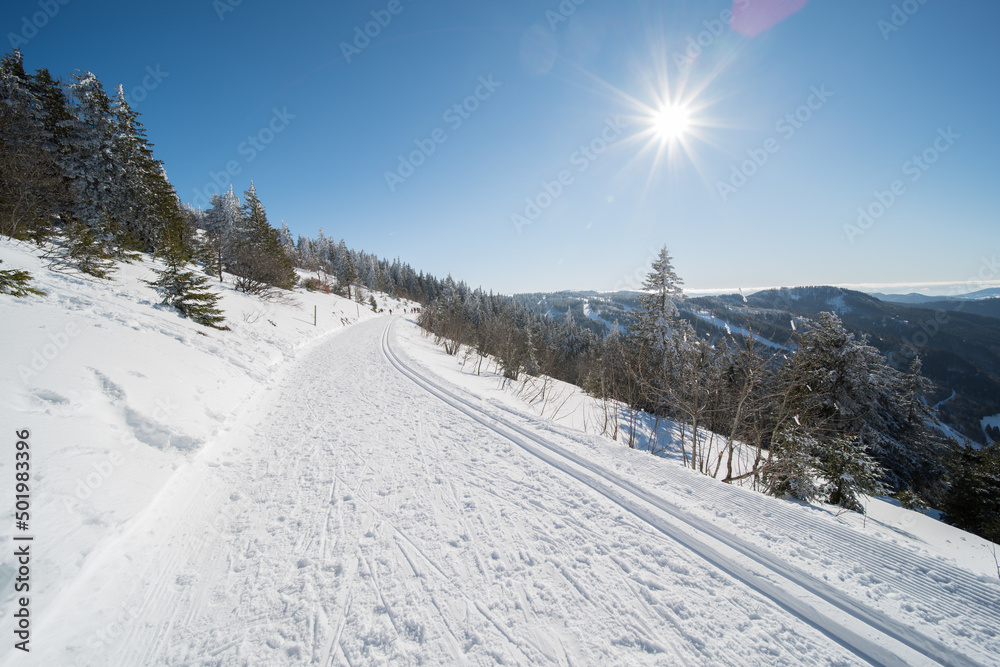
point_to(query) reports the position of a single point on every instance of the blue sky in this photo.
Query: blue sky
(790, 131)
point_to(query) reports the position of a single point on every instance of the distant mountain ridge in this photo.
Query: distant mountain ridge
(915, 298)
(958, 340)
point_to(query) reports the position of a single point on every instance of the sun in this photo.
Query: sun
(672, 122)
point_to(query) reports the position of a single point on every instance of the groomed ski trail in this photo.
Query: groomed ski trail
(357, 520)
(868, 632)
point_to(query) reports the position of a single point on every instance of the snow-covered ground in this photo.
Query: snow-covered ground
(593, 315)
(349, 494)
(567, 408)
(731, 328)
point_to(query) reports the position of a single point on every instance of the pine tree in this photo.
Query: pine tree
(840, 386)
(658, 320)
(150, 203)
(917, 387)
(131, 196)
(674, 364)
(222, 220)
(91, 163)
(850, 473)
(55, 113)
(530, 365)
(972, 501)
(55, 116)
(793, 466)
(260, 262)
(17, 283)
(343, 269)
(288, 244)
(182, 288)
(31, 191)
(81, 249)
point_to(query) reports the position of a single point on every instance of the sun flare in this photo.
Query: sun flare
(672, 122)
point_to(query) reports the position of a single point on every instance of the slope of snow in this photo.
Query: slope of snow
(883, 563)
(567, 409)
(731, 328)
(118, 393)
(349, 494)
(593, 315)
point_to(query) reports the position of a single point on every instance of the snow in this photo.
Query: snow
(593, 315)
(838, 305)
(937, 406)
(349, 494)
(730, 328)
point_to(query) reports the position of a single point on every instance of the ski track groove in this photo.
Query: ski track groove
(868, 650)
(870, 557)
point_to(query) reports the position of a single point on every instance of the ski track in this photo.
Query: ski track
(358, 521)
(937, 590)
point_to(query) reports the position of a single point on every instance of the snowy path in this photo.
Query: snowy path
(950, 592)
(360, 519)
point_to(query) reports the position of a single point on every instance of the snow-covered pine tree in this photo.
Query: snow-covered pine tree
(289, 245)
(132, 196)
(260, 262)
(55, 112)
(91, 162)
(57, 120)
(793, 466)
(151, 202)
(91, 173)
(304, 253)
(344, 269)
(31, 189)
(321, 251)
(843, 387)
(917, 387)
(222, 219)
(659, 318)
(850, 473)
(181, 287)
(972, 501)
(672, 361)
(569, 336)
